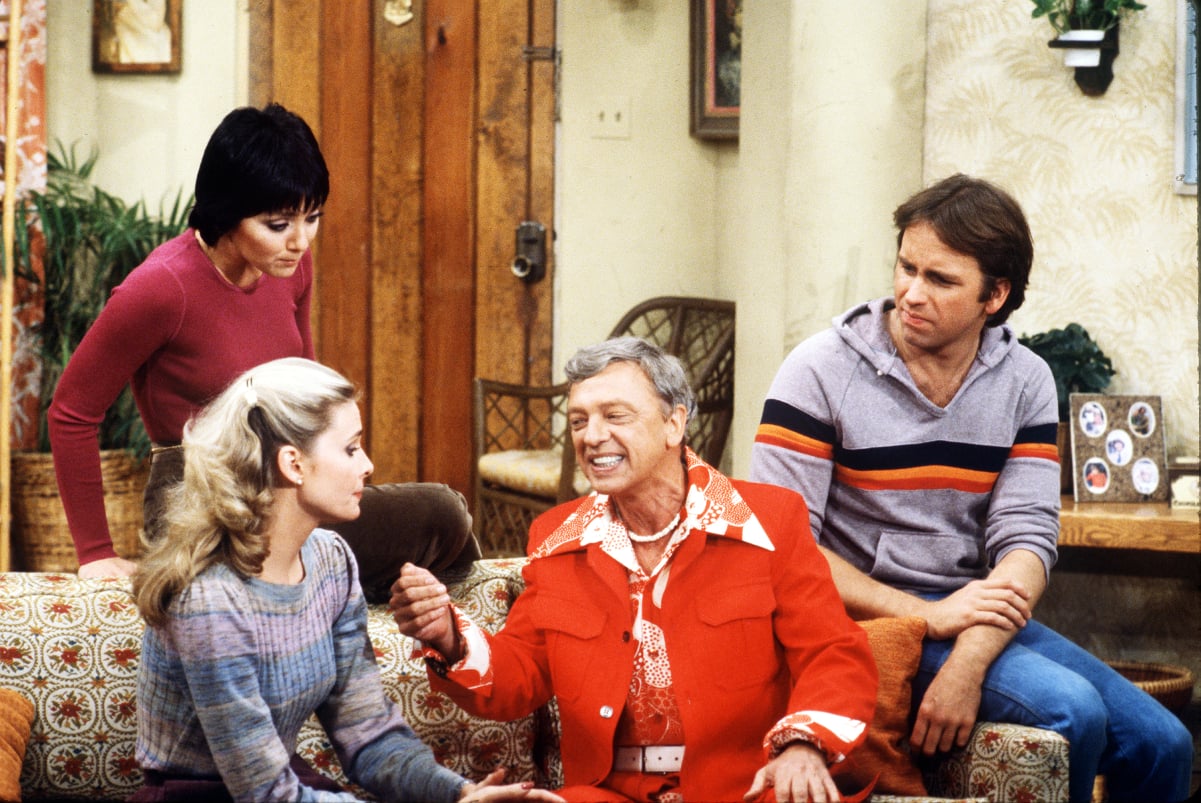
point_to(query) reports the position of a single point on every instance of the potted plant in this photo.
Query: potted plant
(87, 241)
(1066, 16)
(1079, 366)
(1088, 32)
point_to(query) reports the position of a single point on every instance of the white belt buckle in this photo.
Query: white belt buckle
(657, 759)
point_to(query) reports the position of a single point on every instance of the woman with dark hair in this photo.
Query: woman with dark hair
(228, 294)
(255, 616)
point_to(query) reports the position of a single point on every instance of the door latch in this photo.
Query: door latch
(529, 264)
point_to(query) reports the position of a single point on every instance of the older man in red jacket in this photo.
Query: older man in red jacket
(686, 622)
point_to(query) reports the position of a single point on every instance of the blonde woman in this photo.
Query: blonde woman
(255, 615)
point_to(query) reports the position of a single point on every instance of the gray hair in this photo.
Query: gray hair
(664, 371)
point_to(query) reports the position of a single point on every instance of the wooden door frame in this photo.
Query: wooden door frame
(448, 241)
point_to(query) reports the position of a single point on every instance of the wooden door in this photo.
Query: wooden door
(437, 123)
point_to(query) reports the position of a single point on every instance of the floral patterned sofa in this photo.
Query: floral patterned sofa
(71, 647)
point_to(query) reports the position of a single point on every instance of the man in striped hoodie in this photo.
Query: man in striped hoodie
(922, 436)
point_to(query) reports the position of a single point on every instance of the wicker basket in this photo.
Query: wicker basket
(41, 539)
(1171, 685)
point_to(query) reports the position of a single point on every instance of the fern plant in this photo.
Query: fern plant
(89, 241)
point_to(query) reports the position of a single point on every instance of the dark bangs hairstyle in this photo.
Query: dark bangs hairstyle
(257, 160)
(981, 220)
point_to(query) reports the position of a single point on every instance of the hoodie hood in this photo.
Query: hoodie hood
(864, 328)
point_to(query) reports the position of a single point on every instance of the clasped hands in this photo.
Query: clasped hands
(420, 605)
(950, 706)
(999, 602)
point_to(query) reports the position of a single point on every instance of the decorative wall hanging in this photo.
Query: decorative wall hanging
(716, 92)
(1118, 452)
(136, 36)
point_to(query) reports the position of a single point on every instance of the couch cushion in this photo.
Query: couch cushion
(16, 717)
(897, 647)
(72, 646)
(1005, 762)
(471, 747)
(529, 471)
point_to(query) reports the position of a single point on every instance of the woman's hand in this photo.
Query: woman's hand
(489, 789)
(421, 607)
(107, 567)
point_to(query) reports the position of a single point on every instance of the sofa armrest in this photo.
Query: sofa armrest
(1004, 763)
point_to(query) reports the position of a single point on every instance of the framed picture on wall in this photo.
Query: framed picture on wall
(136, 36)
(716, 34)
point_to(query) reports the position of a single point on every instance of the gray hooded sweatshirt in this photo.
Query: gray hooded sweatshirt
(919, 497)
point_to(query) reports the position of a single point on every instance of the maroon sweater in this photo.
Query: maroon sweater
(179, 332)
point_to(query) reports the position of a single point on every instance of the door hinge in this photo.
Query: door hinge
(552, 54)
(533, 53)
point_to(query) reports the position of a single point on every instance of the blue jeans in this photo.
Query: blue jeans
(1113, 727)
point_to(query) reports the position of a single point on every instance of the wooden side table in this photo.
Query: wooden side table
(1154, 526)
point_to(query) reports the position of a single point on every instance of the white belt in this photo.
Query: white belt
(652, 758)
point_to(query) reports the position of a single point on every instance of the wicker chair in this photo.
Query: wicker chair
(524, 461)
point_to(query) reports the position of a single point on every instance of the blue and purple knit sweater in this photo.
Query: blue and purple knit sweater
(225, 686)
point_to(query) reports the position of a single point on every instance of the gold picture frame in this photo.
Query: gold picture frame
(136, 36)
(716, 96)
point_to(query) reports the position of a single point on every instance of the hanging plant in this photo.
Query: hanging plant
(1088, 15)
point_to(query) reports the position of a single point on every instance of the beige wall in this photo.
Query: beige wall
(839, 124)
(1115, 246)
(835, 136)
(831, 139)
(637, 216)
(150, 130)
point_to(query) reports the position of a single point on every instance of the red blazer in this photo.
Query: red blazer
(752, 634)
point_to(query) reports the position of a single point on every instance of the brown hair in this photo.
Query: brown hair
(984, 222)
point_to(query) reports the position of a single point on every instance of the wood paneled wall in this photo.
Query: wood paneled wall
(439, 137)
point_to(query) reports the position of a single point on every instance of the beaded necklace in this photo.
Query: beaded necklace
(647, 539)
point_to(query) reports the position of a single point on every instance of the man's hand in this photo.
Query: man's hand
(107, 567)
(996, 601)
(421, 607)
(948, 710)
(798, 774)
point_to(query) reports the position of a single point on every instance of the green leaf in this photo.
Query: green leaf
(1076, 362)
(93, 240)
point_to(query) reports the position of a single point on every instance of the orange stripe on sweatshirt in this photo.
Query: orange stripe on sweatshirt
(922, 478)
(772, 435)
(1046, 451)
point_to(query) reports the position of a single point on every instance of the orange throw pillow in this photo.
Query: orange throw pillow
(16, 718)
(897, 647)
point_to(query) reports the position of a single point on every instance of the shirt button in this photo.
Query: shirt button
(606, 712)
(625, 636)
